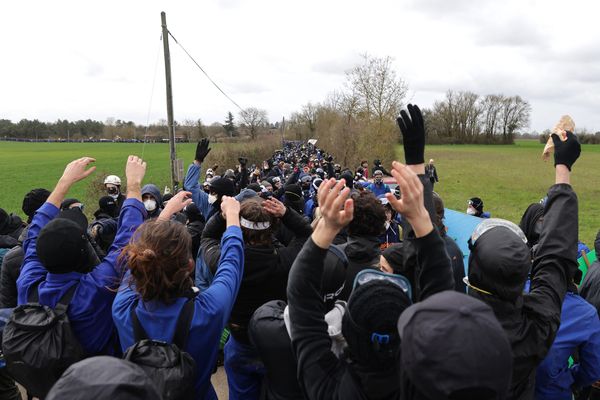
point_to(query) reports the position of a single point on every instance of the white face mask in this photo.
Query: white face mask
(387, 225)
(212, 198)
(471, 211)
(150, 205)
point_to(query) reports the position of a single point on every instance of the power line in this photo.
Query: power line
(204, 72)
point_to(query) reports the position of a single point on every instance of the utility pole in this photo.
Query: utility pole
(165, 37)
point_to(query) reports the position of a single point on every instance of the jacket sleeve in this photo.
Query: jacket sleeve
(219, 298)
(597, 244)
(555, 261)
(210, 247)
(435, 267)
(191, 184)
(33, 270)
(108, 273)
(319, 370)
(587, 371)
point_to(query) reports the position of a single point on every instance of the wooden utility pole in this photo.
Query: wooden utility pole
(170, 122)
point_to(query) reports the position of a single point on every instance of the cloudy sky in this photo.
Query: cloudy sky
(80, 59)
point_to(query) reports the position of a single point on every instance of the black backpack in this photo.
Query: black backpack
(39, 344)
(172, 370)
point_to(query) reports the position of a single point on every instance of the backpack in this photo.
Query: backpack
(171, 369)
(39, 344)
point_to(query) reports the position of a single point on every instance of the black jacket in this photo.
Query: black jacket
(321, 374)
(195, 229)
(531, 321)
(431, 173)
(458, 265)
(11, 268)
(266, 268)
(269, 336)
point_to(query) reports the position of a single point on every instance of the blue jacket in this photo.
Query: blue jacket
(90, 308)
(212, 309)
(379, 190)
(579, 330)
(199, 196)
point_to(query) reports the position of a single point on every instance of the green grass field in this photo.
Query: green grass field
(507, 178)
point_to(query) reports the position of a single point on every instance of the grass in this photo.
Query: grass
(507, 178)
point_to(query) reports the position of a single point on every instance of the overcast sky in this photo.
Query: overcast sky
(81, 59)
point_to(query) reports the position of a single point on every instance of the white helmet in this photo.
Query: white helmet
(113, 180)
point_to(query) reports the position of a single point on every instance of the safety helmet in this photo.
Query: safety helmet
(113, 180)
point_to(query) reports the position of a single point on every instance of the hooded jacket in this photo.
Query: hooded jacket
(363, 252)
(266, 268)
(153, 191)
(499, 264)
(321, 374)
(579, 332)
(90, 308)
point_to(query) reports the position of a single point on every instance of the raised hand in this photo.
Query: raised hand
(337, 210)
(76, 171)
(411, 204)
(413, 135)
(567, 152)
(274, 207)
(202, 150)
(231, 209)
(176, 204)
(135, 170)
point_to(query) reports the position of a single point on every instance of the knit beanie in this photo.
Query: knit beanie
(222, 186)
(369, 325)
(34, 200)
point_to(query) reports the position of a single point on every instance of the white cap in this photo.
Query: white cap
(113, 180)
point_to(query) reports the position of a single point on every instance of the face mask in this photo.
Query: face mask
(113, 192)
(378, 180)
(212, 198)
(150, 205)
(471, 211)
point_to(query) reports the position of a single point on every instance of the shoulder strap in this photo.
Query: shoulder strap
(138, 330)
(339, 253)
(63, 302)
(182, 329)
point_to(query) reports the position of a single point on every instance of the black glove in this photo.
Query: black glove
(243, 161)
(330, 158)
(413, 135)
(202, 150)
(566, 152)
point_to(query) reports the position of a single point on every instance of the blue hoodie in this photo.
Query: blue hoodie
(212, 309)
(90, 307)
(579, 331)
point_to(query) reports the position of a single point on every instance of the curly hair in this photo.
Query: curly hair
(369, 215)
(158, 257)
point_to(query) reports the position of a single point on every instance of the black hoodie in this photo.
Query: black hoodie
(590, 287)
(499, 264)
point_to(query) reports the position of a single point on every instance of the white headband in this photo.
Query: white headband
(255, 226)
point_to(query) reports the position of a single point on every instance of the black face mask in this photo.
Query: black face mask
(112, 191)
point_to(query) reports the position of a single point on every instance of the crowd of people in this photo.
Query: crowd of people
(305, 279)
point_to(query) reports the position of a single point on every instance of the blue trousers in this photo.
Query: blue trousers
(245, 370)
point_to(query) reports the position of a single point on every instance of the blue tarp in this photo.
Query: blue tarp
(460, 227)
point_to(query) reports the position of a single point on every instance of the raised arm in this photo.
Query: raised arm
(192, 177)
(33, 270)
(319, 370)
(555, 261)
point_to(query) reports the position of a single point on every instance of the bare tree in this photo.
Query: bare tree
(253, 119)
(374, 90)
(515, 116)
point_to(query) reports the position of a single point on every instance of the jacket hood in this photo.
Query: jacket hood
(529, 221)
(499, 263)
(362, 248)
(154, 191)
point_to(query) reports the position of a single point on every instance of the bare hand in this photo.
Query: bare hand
(274, 207)
(176, 204)
(230, 207)
(337, 210)
(76, 170)
(135, 171)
